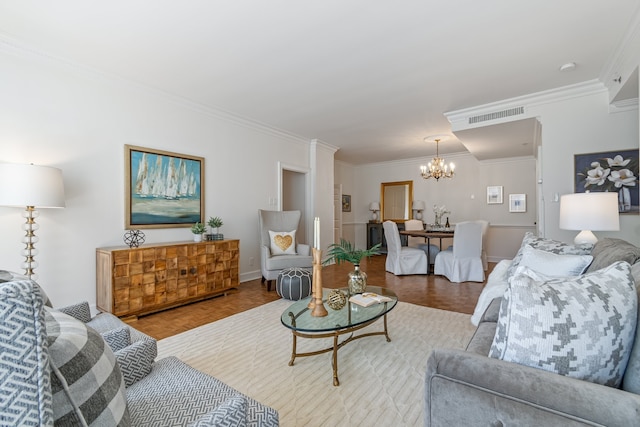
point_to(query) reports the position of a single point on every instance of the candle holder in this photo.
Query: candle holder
(319, 309)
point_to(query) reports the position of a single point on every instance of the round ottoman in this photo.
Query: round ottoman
(294, 283)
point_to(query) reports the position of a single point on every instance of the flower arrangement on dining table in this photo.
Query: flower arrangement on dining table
(439, 211)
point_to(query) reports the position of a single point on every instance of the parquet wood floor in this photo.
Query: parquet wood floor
(430, 291)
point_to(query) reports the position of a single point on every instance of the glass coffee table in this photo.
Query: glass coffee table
(347, 320)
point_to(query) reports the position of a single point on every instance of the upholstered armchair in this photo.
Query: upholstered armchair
(278, 246)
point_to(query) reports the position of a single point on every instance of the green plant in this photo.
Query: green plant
(198, 228)
(215, 222)
(346, 252)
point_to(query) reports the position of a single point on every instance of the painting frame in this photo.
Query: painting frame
(517, 203)
(612, 170)
(494, 195)
(163, 189)
(346, 203)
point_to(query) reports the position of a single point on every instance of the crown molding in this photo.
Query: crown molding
(623, 105)
(321, 144)
(459, 119)
(624, 59)
(9, 45)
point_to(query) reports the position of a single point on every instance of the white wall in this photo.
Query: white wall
(57, 115)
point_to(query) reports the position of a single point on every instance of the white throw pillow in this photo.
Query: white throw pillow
(547, 245)
(582, 327)
(554, 265)
(283, 242)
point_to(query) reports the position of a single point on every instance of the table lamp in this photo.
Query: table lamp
(374, 207)
(31, 187)
(589, 212)
(418, 206)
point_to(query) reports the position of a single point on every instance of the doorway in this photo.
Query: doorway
(293, 194)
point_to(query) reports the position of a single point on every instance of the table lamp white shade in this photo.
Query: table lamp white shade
(589, 212)
(31, 185)
(418, 206)
(374, 207)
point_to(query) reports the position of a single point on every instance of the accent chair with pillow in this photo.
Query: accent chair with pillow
(555, 346)
(278, 247)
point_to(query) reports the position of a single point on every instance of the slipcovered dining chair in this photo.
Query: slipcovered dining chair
(278, 247)
(420, 242)
(463, 262)
(485, 228)
(402, 259)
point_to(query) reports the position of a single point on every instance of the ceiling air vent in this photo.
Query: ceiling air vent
(496, 115)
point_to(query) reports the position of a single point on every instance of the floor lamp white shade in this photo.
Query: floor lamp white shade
(589, 212)
(31, 187)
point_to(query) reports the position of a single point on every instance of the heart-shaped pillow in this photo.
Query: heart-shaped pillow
(283, 242)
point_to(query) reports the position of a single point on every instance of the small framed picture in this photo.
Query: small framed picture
(494, 195)
(346, 203)
(517, 202)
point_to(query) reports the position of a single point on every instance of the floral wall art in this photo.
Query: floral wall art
(610, 171)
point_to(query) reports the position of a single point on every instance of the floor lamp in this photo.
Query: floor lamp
(589, 212)
(31, 187)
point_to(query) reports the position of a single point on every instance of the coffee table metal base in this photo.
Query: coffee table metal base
(336, 345)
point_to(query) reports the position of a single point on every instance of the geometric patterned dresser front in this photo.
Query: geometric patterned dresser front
(143, 280)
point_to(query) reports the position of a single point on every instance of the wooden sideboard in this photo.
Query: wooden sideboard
(131, 282)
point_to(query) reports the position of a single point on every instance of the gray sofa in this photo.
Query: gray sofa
(62, 367)
(471, 389)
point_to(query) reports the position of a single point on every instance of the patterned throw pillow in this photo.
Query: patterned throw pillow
(118, 338)
(233, 412)
(25, 374)
(10, 276)
(136, 360)
(550, 264)
(547, 245)
(87, 385)
(283, 242)
(582, 327)
(80, 311)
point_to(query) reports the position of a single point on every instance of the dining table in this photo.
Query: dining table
(428, 235)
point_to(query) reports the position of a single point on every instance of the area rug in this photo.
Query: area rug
(381, 383)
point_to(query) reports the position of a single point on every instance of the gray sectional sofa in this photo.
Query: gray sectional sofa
(471, 389)
(63, 367)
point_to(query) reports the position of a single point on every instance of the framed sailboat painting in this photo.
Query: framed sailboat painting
(162, 189)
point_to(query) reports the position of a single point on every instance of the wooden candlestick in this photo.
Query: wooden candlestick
(318, 308)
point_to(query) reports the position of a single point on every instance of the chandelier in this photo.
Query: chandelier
(436, 167)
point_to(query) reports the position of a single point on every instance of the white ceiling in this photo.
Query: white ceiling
(371, 77)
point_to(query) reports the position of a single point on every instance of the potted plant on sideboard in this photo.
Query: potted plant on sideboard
(216, 222)
(198, 229)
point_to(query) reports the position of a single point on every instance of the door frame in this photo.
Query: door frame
(308, 223)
